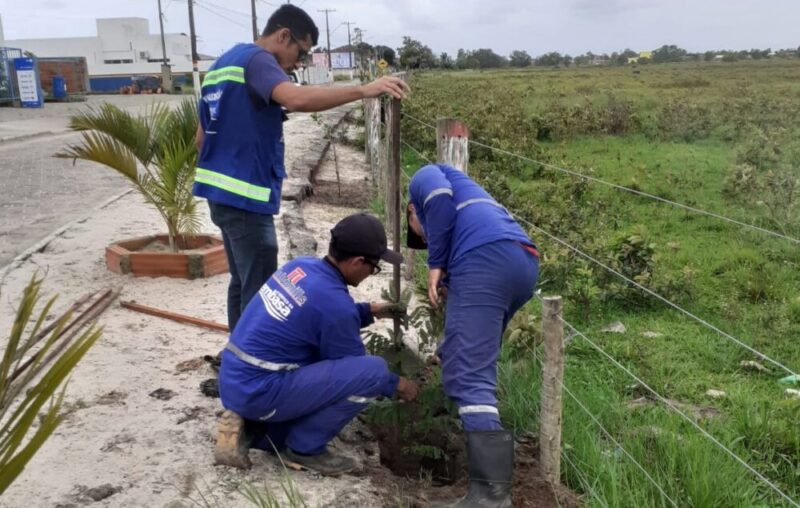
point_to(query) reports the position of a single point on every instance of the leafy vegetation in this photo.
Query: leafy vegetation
(33, 370)
(155, 151)
(720, 137)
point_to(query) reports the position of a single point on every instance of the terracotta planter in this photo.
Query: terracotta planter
(149, 256)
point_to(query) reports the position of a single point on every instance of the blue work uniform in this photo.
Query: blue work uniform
(296, 363)
(491, 266)
(240, 166)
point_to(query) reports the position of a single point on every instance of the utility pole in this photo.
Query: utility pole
(255, 23)
(349, 44)
(193, 39)
(166, 72)
(364, 56)
(328, 30)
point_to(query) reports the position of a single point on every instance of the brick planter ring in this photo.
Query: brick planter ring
(149, 256)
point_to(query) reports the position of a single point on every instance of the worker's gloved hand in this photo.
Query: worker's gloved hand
(387, 310)
(407, 390)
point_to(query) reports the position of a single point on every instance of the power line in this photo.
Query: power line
(226, 9)
(623, 188)
(230, 20)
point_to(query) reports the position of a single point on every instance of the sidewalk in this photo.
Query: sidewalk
(136, 421)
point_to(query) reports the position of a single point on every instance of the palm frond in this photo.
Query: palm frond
(107, 150)
(155, 151)
(134, 132)
(18, 442)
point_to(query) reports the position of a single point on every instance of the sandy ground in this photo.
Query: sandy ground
(159, 452)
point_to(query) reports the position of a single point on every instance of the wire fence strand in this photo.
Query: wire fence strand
(584, 480)
(639, 193)
(683, 415)
(659, 297)
(614, 361)
(650, 292)
(606, 432)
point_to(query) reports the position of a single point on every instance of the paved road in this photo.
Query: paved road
(40, 193)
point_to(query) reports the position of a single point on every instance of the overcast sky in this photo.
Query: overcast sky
(537, 26)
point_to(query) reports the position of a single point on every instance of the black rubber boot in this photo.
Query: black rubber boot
(491, 464)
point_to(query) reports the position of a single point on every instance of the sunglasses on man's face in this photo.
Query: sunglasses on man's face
(302, 53)
(376, 267)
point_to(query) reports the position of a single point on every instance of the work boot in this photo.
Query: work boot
(325, 463)
(491, 463)
(233, 442)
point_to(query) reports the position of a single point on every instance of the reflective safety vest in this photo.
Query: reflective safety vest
(241, 161)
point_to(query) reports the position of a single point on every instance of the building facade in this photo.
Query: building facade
(123, 48)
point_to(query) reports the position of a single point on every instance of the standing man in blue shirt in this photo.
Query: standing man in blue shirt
(295, 368)
(240, 141)
(490, 267)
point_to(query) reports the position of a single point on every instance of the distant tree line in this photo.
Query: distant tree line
(415, 55)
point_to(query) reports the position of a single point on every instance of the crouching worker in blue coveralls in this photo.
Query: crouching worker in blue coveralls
(490, 268)
(295, 371)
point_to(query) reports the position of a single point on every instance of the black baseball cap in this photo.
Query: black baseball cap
(362, 234)
(413, 240)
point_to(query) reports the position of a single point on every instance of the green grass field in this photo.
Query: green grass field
(722, 137)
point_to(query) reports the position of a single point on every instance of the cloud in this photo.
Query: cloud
(54, 5)
(608, 7)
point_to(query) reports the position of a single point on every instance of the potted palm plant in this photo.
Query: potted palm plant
(156, 152)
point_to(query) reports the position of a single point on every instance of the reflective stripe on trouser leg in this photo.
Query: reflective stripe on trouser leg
(464, 410)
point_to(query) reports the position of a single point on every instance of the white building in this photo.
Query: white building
(122, 47)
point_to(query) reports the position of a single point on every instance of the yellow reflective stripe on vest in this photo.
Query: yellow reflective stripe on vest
(229, 73)
(232, 185)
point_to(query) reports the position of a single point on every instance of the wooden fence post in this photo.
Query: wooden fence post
(387, 168)
(452, 148)
(367, 104)
(552, 377)
(452, 143)
(372, 113)
(393, 202)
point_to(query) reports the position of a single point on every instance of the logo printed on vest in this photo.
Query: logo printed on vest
(275, 303)
(212, 99)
